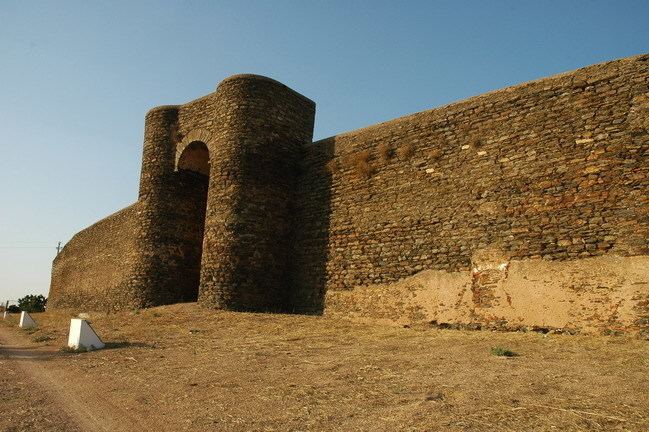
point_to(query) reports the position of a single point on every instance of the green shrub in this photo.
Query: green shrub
(31, 303)
(502, 352)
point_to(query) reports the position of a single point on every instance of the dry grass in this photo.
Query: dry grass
(364, 170)
(360, 162)
(385, 152)
(251, 372)
(405, 151)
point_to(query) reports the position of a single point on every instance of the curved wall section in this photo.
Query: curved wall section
(255, 156)
(173, 209)
(96, 268)
(158, 156)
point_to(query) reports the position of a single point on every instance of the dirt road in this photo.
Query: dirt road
(38, 395)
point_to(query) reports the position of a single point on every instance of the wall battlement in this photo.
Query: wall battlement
(239, 209)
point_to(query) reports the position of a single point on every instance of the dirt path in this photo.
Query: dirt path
(40, 396)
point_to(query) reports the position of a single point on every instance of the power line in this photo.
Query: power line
(31, 245)
(27, 247)
(32, 241)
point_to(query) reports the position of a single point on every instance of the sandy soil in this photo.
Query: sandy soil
(23, 404)
(182, 367)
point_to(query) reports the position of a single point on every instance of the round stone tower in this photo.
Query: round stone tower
(160, 126)
(154, 280)
(255, 156)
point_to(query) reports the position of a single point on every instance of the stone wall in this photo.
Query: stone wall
(95, 270)
(261, 218)
(555, 169)
(606, 294)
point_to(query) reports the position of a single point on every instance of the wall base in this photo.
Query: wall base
(607, 294)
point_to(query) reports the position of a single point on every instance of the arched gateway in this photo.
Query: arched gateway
(193, 170)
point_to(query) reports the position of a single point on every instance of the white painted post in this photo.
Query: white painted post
(5, 315)
(83, 336)
(26, 321)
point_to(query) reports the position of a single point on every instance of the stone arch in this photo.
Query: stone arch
(190, 188)
(195, 135)
(196, 158)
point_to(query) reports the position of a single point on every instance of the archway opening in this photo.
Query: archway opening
(192, 171)
(195, 158)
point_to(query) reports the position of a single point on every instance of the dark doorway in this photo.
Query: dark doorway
(193, 180)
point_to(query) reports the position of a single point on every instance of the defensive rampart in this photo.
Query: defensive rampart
(96, 267)
(541, 185)
(551, 170)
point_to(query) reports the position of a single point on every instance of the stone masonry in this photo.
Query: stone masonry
(239, 209)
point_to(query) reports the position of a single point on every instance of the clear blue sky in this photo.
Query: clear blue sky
(76, 78)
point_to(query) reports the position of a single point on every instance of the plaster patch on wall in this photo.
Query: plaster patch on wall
(488, 268)
(593, 295)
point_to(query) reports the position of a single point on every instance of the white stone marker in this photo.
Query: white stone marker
(26, 321)
(83, 336)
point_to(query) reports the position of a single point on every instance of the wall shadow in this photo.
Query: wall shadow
(177, 231)
(311, 212)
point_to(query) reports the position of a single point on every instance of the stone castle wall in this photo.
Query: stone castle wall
(95, 268)
(554, 170)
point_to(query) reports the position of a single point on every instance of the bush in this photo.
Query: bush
(13, 309)
(385, 152)
(502, 352)
(31, 303)
(361, 162)
(405, 151)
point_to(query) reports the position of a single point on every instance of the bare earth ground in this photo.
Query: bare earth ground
(182, 367)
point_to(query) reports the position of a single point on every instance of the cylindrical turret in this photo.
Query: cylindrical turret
(160, 131)
(152, 282)
(262, 127)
